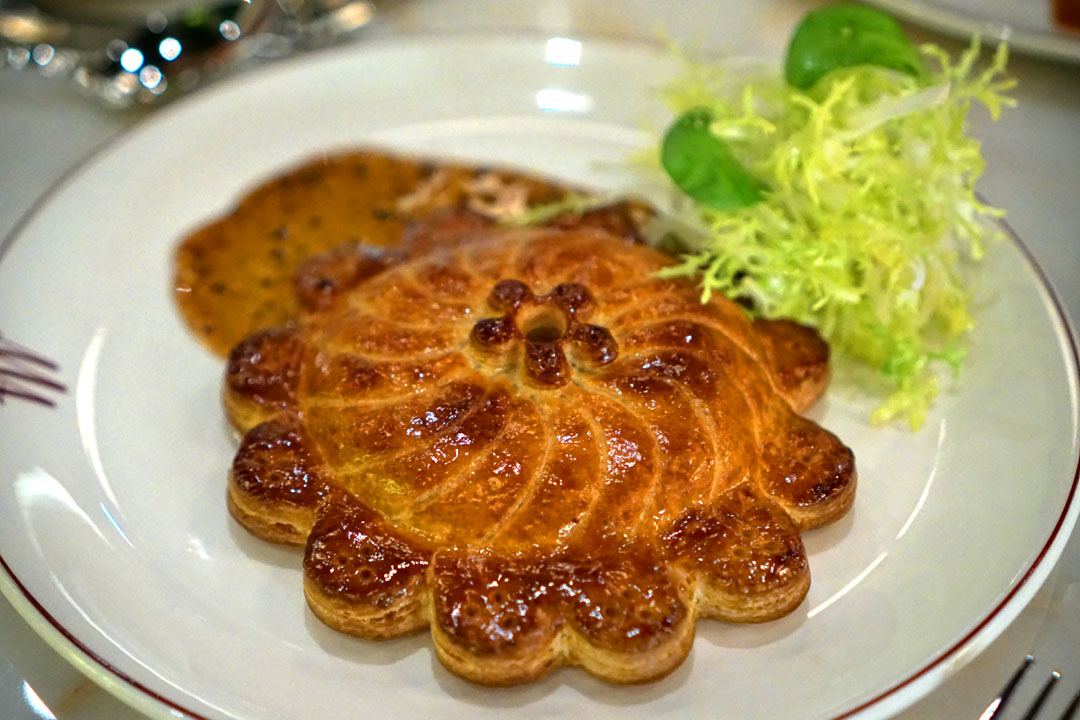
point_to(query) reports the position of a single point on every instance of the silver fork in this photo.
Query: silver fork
(998, 704)
(25, 375)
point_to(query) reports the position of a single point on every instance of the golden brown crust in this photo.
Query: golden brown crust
(747, 554)
(809, 472)
(323, 278)
(274, 486)
(360, 577)
(501, 619)
(262, 377)
(540, 450)
(800, 360)
(282, 524)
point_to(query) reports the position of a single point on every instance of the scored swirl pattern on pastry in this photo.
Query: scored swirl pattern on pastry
(529, 442)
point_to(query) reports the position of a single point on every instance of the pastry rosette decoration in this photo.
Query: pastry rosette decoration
(526, 441)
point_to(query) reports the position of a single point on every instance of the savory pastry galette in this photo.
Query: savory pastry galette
(527, 441)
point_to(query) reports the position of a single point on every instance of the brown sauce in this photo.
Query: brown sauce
(234, 276)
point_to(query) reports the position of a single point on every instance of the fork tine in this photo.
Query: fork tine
(33, 378)
(29, 397)
(23, 374)
(1002, 699)
(1043, 694)
(1070, 711)
(12, 349)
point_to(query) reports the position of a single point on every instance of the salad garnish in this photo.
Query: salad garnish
(840, 194)
(702, 166)
(847, 35)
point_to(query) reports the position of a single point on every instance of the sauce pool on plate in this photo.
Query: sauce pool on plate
(234, 276)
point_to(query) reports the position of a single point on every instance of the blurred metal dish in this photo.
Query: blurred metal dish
(161, 56)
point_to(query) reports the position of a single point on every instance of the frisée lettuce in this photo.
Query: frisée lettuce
(857, 209)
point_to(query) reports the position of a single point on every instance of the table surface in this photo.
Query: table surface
(47, 128)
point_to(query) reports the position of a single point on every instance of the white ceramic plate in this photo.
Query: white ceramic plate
(1027, 25)
(116, 544)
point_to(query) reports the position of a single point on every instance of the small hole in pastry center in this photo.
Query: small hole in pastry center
(544, 333)
(542, 324)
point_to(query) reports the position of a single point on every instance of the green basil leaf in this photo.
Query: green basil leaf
(702, 165)
(846, 35)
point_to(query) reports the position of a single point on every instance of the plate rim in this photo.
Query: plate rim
(905, 692)
(899, 695)
(959, 24)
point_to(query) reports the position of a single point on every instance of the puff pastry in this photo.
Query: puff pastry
(527, 441)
